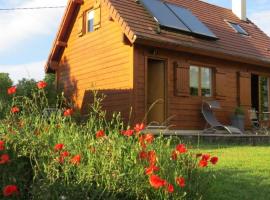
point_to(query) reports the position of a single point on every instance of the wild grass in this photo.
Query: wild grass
(107, 167)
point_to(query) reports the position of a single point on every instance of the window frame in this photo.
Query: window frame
(236, 27)
(87, 13)
(199, 78)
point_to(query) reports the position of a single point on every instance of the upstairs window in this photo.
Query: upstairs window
(200, 81)
(238, 28)
(90, 21)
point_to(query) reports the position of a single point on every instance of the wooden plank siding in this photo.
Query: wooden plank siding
(185, 111)
(99, 60)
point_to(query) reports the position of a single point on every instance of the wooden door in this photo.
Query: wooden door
(156, 92)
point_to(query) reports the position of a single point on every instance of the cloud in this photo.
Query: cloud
(23, 25)
(262, 20)
(33, 70)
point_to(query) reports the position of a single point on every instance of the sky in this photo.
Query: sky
(26, 36)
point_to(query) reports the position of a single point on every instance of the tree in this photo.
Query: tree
(25, 87)
(51, 90)
(5, 99)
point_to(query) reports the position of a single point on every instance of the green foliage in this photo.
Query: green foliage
(5, 83)
(239, 111)
(110, 166)
(26, 87)
(51, 91)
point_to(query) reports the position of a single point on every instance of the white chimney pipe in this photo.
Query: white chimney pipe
(239, 8)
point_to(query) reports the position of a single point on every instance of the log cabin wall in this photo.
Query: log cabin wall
(100, 60)
(230, 85)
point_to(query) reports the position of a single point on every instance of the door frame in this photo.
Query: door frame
(259, 91)
(165, 60)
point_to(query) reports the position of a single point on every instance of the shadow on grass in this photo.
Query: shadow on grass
(203, 145)
(224, 145)
(238, 185)
(80, 191)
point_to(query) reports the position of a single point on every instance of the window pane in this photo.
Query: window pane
(90, 21)
(206, 82)
(238, 28)
(193, 81)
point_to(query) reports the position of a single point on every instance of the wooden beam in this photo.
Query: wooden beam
(78, 1)
(53, 65)
(61, 44)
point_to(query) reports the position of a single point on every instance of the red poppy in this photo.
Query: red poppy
(170, 188)
(180, 181)
(59, 147)
(4, 159)
(61, 159)
(12, 90)
(143, 155)
(128, 132)
(203, 163)
(214, 160)
(174, 155)
(150, 170)
(181, 148)
(76, 160)
(100, 134)
(41, 84)
(141, 141)
(64, 154)
(156, 182)
(149, 138)
(9, 190)
(152, 157)
(15, 109)
(139, 127)
(2, 145)
(68, 112)
(206, 157)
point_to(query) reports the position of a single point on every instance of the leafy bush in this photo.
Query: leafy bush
(53, 157)
(5, 83)
(26, 87)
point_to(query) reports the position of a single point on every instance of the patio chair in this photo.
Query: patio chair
(207, 111)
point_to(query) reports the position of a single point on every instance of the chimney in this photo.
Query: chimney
(239, 8)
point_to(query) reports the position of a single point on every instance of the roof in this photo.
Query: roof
(140, 27)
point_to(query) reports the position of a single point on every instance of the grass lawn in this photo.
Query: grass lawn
(242, 173)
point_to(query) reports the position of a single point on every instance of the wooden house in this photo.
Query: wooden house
(173, 53)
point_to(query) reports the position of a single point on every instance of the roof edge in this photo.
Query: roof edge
(64, 26)
(130, 34)
(71, 6)
(191, 48)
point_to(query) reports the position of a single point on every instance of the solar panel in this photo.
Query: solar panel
(191, 21)
(164, 16)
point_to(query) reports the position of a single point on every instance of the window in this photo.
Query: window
(200, 81)
(264, 96)
(238, 28)
(90, 21)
